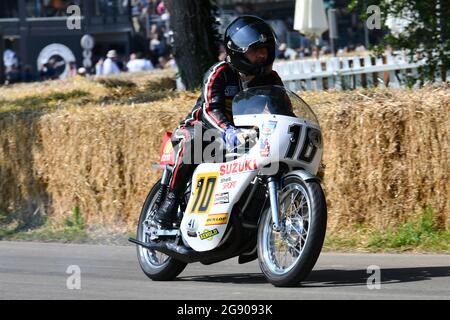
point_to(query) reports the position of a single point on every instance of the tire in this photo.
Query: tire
(170, 268)
(315, 225)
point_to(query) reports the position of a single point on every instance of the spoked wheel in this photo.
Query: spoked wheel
(286, 257)
(156, 265)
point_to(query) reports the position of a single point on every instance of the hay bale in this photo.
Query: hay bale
(99, 159)
(386, 156)
(23, 194)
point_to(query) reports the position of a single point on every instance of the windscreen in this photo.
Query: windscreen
(272, 100)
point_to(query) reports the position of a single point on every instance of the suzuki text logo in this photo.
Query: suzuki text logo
(238, 167)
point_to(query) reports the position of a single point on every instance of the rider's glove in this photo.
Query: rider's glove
(233, 137)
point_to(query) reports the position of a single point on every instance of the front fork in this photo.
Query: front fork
(167, 174)
(273, 185)
(164, 185)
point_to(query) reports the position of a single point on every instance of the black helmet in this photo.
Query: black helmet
(249, 32)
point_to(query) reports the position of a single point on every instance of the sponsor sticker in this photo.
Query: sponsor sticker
(217, 219)
(229, 185)
(238, 167)
(221, 198)
(167, 151)
(269, 127)
(223, 180)
(208, 234)
(191, 226)
(202, 199)
(264, 148)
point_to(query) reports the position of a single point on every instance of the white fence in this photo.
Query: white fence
(342, 73)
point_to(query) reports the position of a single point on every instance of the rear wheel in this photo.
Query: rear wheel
(288, 256)
(156, 265)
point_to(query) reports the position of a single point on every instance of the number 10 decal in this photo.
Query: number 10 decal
(204, 193)
(309, 149)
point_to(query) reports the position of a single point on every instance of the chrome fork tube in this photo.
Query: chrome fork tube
(166, 175)
(274, 205)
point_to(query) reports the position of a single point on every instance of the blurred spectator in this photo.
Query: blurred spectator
(9, 59)
(156, 30)
(99, 67)
(57, 8)
(307, 52)
(157, 46)
(82, 72)
(162, 62)
(48, 71)
(143, 20)
(27, 74)
(160, 8)
(138, 22)
(110, 65)
(137, 64)
(283, 52)
(72, 69)
(360, 49)
(301, 52)
(167, 62)
(13, 75)
(151, 6)
(315, 52)
(279, 52)
(50, 8)
(342, 51)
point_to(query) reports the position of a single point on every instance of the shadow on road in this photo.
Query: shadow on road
(239, 278)
(335, 278)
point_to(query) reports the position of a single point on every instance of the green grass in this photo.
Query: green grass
(44, 102)
(120, 92)
(49, 234)
(73, 230)
(418, 234)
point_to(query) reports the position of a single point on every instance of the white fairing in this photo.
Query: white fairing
(216, 187)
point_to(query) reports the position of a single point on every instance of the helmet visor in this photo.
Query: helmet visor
(257, 33)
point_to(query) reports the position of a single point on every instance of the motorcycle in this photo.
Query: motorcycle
(264, 203)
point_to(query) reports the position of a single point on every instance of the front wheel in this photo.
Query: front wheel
(288, 256)
(156, 265)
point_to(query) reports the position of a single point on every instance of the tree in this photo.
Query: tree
(2, 67)
(424, 33)
(196, 39)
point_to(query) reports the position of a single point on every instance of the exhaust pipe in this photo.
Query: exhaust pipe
(186, 255)
(179, 252)
(172, 250)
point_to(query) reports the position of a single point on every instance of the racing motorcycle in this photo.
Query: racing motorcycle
(264, 202)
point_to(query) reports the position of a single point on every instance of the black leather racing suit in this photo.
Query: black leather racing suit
(213, 111)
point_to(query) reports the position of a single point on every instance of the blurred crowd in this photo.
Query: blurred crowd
(111, 64)
(136, 62)
(151, 23)
(322, 50)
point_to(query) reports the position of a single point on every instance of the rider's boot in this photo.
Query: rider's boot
(166, 214)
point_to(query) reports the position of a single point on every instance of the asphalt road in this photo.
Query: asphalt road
(39, 271)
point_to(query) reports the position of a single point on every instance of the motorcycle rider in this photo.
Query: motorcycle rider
(250, 48)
